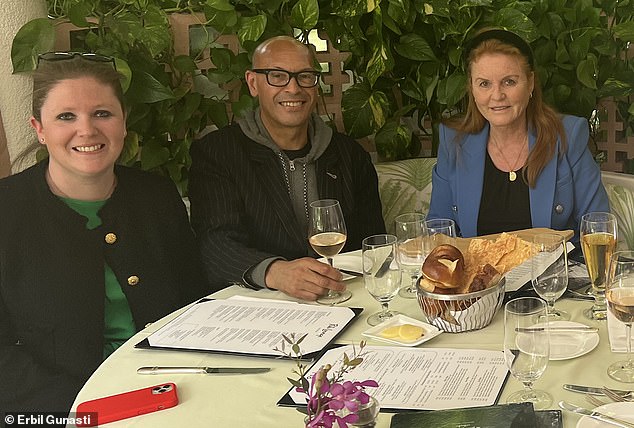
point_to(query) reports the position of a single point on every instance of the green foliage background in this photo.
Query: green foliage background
(406, 58)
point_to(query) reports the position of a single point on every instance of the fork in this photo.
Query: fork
(594, 400)
(610, 393)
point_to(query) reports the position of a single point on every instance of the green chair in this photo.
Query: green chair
(404, 186)
(620, 188)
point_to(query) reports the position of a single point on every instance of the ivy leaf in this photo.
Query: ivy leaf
(625, 31)
(363, 111)
(392, 141)
(77, 14)
(153, 155)
(352, 8)
(304, 14)
(221, 58)
(381, 58)
(251, 28)
(223, 5)
(184, 63)
(144, 88)
(413, 46)
(36, 36)
(587, 72)
(616, 87)
(130, 148)
(451, 89)
(218, 113)
(243, 104)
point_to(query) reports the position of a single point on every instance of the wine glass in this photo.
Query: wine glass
(381, 273)
(598, 241)
(527, 348)
(327, 235)
(410, 231)
(619, 292)
(440, 231)
(549, 272)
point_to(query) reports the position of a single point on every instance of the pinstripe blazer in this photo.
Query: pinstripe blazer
(241, 211)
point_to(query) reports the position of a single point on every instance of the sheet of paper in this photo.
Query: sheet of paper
(252, 326)
(520, 275)
(424, 378)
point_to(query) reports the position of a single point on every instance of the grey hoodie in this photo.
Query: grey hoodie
(299, 173)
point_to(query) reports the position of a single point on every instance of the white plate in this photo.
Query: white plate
(622, 410)
(400, 319)
(565, 345)
(350, 261)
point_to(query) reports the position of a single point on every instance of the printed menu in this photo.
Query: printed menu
(251, 326)
(421, 378)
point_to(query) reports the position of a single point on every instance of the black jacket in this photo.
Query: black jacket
(241, 211)
(52, 279)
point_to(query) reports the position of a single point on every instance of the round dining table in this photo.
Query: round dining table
(249, 400)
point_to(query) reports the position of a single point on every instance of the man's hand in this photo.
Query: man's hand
(304, 278)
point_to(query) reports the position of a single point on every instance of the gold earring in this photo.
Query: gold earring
(42, 140)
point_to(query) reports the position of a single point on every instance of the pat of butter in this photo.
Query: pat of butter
(404, 332)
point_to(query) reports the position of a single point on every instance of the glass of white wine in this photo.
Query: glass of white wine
(327, 235)
(619, 293)
(411, 249)
(381, 273)
(549, 271)
(598, 232)
(527, 348)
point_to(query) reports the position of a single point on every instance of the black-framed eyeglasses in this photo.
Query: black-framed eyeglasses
(280, 78)
(61, 56)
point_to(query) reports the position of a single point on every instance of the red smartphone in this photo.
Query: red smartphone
(128, 404)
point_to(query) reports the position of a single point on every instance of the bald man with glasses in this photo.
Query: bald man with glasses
(251, 182)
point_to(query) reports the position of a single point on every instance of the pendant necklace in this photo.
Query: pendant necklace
(513, 168)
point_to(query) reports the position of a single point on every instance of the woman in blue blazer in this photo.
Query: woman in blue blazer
(512, 162)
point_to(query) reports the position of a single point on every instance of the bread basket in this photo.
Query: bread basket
(455, 313)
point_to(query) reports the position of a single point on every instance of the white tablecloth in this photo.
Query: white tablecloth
(250, 400)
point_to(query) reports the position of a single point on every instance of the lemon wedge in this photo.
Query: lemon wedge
(410, 333)
(390, 332)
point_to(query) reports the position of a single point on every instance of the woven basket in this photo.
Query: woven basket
(455, 313)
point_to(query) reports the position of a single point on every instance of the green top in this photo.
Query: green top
(118, 322)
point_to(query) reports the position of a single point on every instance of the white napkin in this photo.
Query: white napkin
(616, 332)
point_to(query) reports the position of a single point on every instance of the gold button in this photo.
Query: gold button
(133, 280)
(111, 238)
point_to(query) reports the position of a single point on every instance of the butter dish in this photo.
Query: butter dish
(429, 331)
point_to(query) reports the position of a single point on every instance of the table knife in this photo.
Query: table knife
(596, 415)
(592, 390)
(350, 272)
(563, 329)
(201, 370)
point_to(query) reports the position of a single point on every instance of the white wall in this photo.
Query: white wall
(15, 96)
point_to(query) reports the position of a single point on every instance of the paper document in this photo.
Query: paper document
(423, 378)
(252, 326)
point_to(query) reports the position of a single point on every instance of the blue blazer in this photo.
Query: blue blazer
(568, 187)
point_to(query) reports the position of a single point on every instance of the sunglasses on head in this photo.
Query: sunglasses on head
(61, 56)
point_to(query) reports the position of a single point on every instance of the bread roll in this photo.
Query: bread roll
(443, 268)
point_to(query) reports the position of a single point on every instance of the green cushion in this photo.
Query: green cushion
(622, 206)
(404, 186)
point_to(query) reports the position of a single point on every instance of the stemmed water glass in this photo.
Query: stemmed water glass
(549, 271)
(527, 348)
(619, 294)
(411, 249)
(598, 232)
(327, 235)
(381, 273)
(440, 231)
